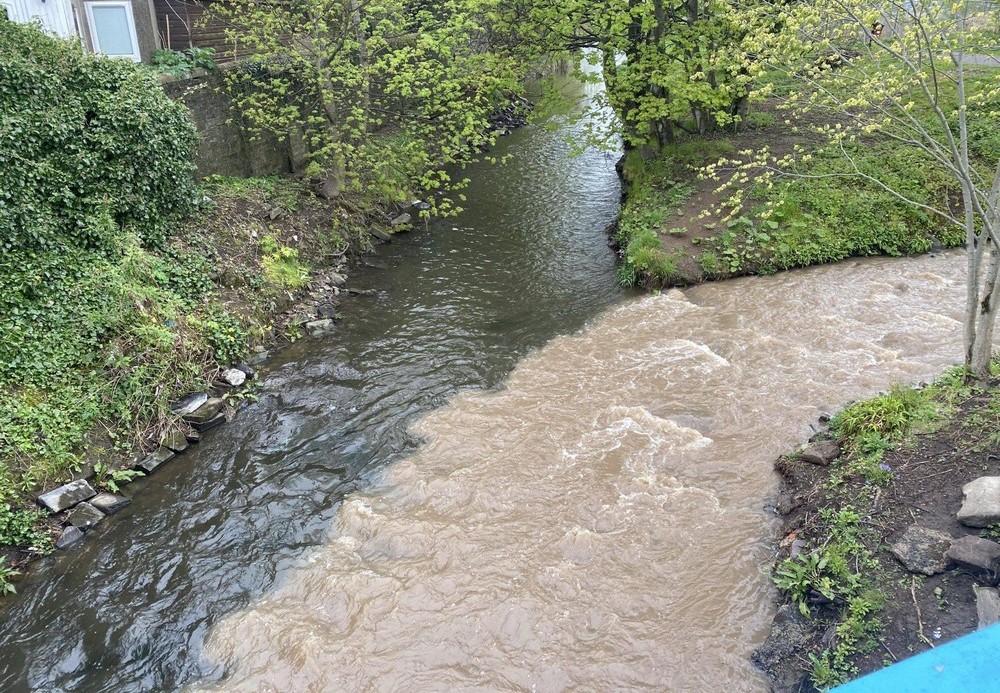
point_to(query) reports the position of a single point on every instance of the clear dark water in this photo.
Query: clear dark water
(458, 304)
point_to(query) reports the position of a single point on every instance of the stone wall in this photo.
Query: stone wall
(225, 148)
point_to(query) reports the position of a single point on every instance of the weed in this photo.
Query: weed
(113, 479)
(6, 573)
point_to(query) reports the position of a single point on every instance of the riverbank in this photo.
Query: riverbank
(687, 218)
(874, 564)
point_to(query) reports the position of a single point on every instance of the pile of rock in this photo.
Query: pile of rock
(931, 551)
(79, 504)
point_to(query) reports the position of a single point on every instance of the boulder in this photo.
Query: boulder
(987, 606)
(337, 279)
(216, 420)
(327, 310)
(381, 235)
(66, 496)
(175, 440)
(84, 516)
(69, 536)
(233, 377)
(155, 459)
(922, 550)
(779, 656)
(206, 411)
(193, 435)
(315, 327)
(109, 503)
(401, 220)
(247, 370)
(822, 452)
(981, 504)
(189, 404)
(975, 552)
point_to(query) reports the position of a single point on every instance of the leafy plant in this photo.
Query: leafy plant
(6, 573)
(112, 479)
(181, 63)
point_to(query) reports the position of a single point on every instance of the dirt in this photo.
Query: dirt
(928, 474)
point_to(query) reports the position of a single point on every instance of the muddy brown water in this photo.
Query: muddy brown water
(502, 472)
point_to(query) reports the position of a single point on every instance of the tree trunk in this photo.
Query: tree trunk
(981, 353)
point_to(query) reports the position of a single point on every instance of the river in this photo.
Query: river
(500, 472)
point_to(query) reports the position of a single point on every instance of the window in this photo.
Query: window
(112, 29)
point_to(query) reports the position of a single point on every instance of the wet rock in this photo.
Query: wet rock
(337, 279)
(216, 420)
(381, 235)
(156, 459)
(922, 550)
(66, 496)
(822, 452)
(175, 440)
(401, 220)
(981, 504)
(233, 377)
(260, 357)
(109, 503)
(249, 372)
(84, 516)
(326, 310)
(779, 656)
(975, 552)
(987, 606)
(206, 411)
(69, 536)
(189, 404)
(315, 327)
(193, 435)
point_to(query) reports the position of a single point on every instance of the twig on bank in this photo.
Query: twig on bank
(886, 648)
(920, 622)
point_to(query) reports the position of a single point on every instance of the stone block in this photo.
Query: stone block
(981, 504)
(189, 404)
(987, 606)
(206, 411)
(84, 516)
(109, 503)
(922, 550)
(975, 552)
(155, 459)
(69, 536)
(66, 496)
(822, 452)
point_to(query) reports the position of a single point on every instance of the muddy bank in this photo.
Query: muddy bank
(921, 576)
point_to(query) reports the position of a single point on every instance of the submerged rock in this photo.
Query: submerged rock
(66, 496)
(381, 235)
(155, 459)
(69, 536)
(981, 504)
(84, 516)
(216, 420)
(315, 327)
(975, 552)
(922, 550)
(109, 503)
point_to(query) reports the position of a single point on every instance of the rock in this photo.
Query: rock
(779, 656)
(155, 459)
(337, 279)
(275, 213)
(327, 310)
(247, 370)
(381, 235)
(981, 504)
(192, 435)
(66, 496)
(922, 550)
(233, 377)
(797, 547)
(401, 220)
(216, 420)
(822, 452)
(319, 326)
(260, 357)
(975, 552)
(987, 606)
(84, 516)
(206, 411)
(109, 503)
(69, 536)
(175, 440)
(189, 404)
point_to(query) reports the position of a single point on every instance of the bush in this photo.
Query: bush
(89, 145)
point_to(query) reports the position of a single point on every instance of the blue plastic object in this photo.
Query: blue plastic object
(970, 664)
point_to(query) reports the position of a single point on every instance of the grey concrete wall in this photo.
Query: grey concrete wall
(225, 148)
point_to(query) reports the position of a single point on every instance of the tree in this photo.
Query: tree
(910, 72)
(378, 92)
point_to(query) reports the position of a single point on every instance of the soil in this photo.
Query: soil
(929, 472)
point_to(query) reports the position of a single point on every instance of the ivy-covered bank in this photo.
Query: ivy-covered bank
(126, 284)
